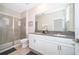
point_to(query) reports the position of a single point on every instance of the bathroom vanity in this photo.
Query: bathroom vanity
(54, 32)
(48, 44)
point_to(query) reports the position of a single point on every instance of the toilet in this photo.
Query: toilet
(24, 42)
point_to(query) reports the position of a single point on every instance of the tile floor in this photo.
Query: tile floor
(21, 51)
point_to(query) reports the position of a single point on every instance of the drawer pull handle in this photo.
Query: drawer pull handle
(60, 47)
(34, 41)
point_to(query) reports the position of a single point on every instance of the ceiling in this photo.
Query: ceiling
(18, 7)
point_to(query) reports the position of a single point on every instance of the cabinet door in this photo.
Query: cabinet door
(65, 50)
(46, 47)
(31, 42)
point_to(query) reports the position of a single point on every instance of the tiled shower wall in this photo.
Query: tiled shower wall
(23, 28)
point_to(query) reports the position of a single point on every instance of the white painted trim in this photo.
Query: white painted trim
(26, 23)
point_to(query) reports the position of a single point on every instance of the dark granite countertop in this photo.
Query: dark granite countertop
(70, 35)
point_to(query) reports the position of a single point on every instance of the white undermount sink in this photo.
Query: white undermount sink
(60, 35)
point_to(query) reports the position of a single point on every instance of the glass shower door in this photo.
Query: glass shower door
(3, 30)
(6, 31)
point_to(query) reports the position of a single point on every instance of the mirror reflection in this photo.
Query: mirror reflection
(60, 20)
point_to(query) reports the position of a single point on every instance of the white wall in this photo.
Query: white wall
(43, 8)
(77, 21)
(77, 28)
(70, 18)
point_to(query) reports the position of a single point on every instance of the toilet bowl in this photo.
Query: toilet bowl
(24, 42)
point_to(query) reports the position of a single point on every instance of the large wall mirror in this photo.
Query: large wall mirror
(60, 20)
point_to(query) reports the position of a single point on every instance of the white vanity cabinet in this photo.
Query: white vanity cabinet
(67, 49)
(46, 47)
(32, 41)
(50, 46)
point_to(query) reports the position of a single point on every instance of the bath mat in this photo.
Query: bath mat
(31, 53)
(8, 51)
